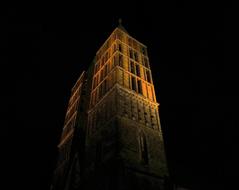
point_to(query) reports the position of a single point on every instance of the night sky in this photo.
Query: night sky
(51, 45)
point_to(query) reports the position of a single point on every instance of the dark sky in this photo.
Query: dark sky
(50, 45)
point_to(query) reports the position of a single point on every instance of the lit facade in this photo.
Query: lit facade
(118, 140)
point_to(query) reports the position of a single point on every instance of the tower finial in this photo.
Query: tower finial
(120, 21)
(120, 26)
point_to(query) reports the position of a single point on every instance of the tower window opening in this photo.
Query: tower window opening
(114, 48)
(120, 47)
(148, 76)
(106, 69)
(131, 53)
(121, 61)
(132, 68)
(106, 56)
(137, 70)
(94, 82)
(135, 56)
(140, 87)
(143, 149)
(97, 80)
(114, 62)
(101, 75)
(133, 83)
(104, 72)
(146, 62)
(100, 91)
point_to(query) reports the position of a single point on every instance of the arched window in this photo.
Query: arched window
(143, 148)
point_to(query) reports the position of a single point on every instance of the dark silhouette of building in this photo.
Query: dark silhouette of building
(112, 137)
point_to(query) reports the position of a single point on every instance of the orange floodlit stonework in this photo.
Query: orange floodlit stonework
(112, 137)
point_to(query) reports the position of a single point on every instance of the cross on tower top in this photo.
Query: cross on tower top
(120, 21)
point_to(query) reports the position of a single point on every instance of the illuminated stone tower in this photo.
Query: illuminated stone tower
(119, 128)
(124, 138)
(71, 142)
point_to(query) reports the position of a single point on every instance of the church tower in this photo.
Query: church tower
(122, 146)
